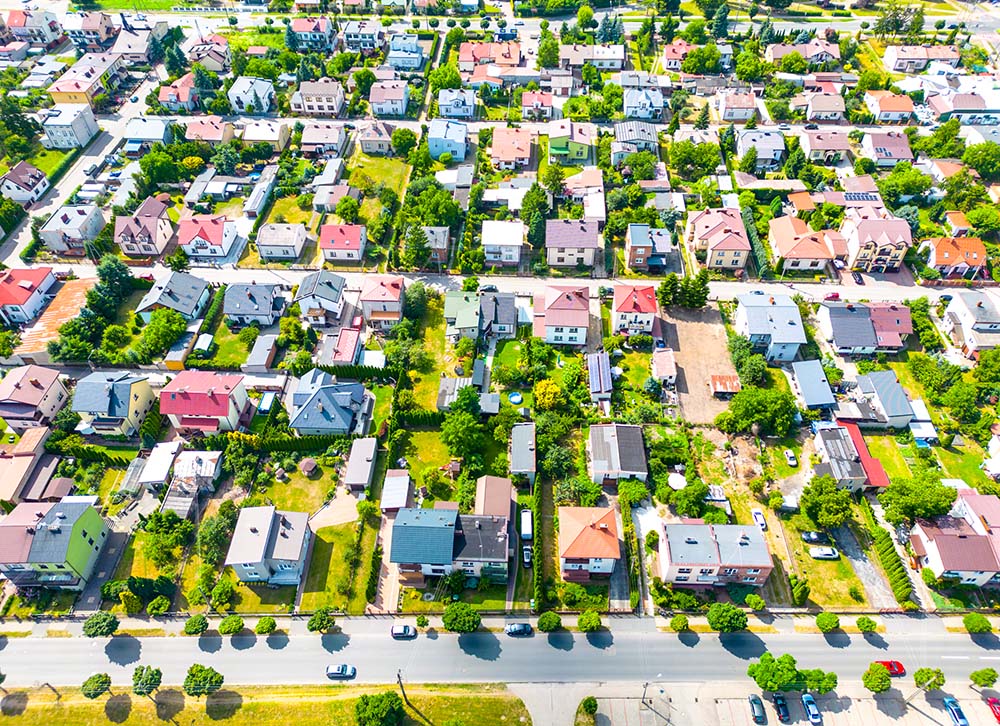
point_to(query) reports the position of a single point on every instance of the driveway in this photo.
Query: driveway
(342, 509)
(618, 589)
(104, 569)
(877, 589)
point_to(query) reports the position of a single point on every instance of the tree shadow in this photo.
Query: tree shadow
(123, 649)
(169, 703)
(561, 640)
(891, 704)
(482, 644)
(277, 640)
(223, 705)
(987, 641)
(14, 704)
(243, 641)
(689, 638)
(209, 643)
(602, 639)
(431, 633)
(876, 640)
(335, 641)
(743, 645)
(3, 641)
(837, 639)
(118, 708)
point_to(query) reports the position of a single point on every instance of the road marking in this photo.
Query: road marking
(989, 657)
(954, 657)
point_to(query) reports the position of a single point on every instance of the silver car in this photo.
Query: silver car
(824, 553)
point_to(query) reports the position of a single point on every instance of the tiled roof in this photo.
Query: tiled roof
(199, 393)
(588, 532)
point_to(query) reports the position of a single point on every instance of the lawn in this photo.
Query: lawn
(380, 169)
(776, 379)
(231, 208)
(286, 211)
(383, 405)
(246, 37)
(884, 448)
(508, 353)
(963, 463)
(48, 602)
(228, 348)
(830, 580)
(776, 450)
(133, 563)
(492, 597)
(46, 160)
(109, 483)
(260, 598)
(425, 385)
(424, 450)
(329, 575)
(300, 493)
(636, 366)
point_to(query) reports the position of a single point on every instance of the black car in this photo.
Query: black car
(516, 629)
(858, 279)
(757, 709)
(781, 707)
(817, 538)
(812, 127)
(488, 288)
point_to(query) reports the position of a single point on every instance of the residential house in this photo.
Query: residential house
(522, 455)
(720, 232)
(325, 138)
(181, 95)
(887, 400)
(52, 545)
(511, 147)
(663, 366)
(770, 146)
(320, 297)
(886, 148)
(888, 107)
(69, 126)
(31, 396)
(503, 241)
(447, 137)
(38, 27)
(212, 52)
(633, 309)
(570, 142)
(314, 34)
(645, 103)
(112, 404)
(957, 256)
(588, 543)
(23, 183)
(27, 471)
(251, 95)
(972, 320)
(811, 385)
(892, 323)
(562, 315)
(825, 147)
(381, 300)
(361, 464)
(436, 542)
(326, 197)
(92, 75)
(206, 235)
(323, 97)
(210, 129)
(839, 458)
(815, 52)
(735, 107)
(269, 546)
(70, 227)
(389, 98)
(848, 326)
(536, 105)
(560, 82)
(640, 134)
(498, 314)
(146, 231)
(797, 247)
(14, 52)
(253, 303)
(91, 31)
(132, 45)
(320, 405)
(471, 54)
(616, 452)
(674, 53)
(961, 546)
(141, 133)
(438, 242)
(376, 138)
(456, 103)
(647, 249)
(772, 323)
(363, 36)
(828, 107)
(23, 293)
(281, 241)
(205, 401)
(957, 223)
(915, 58)
(714, 554)
(602, 57)
(275, 133)
(405, 52)
(178, 291)
(343, 241)
(599, 379)
(876, 240)
(461, 315)
(572, 242)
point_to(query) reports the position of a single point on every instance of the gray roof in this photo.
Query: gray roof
(252, 299)
(442, 128)
(980, 305)
(636, 131)
(885, 386)
(265, 533)
(478, 372)
(333, 408)
(741, 545)
(842, 461)
(813, 385)
(572, 233)
(53, 533)
(776, 316)
(178, 291)
(260, 354)
(762, 139)
(323, 284)
(448, 390)
(106, 394)
(480, 538)
(424, 536)
(497, 308)
(522, 448)
(691, 544)
(851, 325)
(599, 372)
(617, 448)
(361, 463)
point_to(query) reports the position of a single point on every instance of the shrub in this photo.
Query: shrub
(196, 625)
(866, 624)
(265, 626)
(422, 621)
(589, 705)
(679, 623)
(223, 593)
(977, 623)
(321, 621)
(100, 625)
(891, 562)
(754, 601)
(800, 589)
(827, 622)
(652, 540)
(589, 621)
(549, 621)
(230, 625)
(158, 605)
(985, 678)
(726, 618)
(929, 578)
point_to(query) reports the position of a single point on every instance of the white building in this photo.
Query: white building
(23, 183)
(281, 241)
(66, 231)
(251, 95)
(69, 126)
(503, 241)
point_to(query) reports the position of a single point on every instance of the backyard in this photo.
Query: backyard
(378, 170)
(228, 350)
(423, 450)
(286, 211)
(425, 385)
(329, 579)
(301, 493)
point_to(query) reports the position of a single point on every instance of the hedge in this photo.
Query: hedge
(151, 426)
(888, 556)
(87, 453)
(420, 417)
(359, 373)
(371, 589)
(633, 558)
(202, 364)
(302, 443)
(537, 554)
(214, 310)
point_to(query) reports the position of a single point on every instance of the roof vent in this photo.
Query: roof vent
(253, 530)
(691, 540)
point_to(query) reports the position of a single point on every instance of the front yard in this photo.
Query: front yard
(487, 597)
(329, 580)
(425, 385)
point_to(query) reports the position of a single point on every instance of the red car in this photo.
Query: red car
(894, 667)
(832, 296)
(994, 704)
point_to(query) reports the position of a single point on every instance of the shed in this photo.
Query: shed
(724, 386)
(599, 375)
(361, 464)
(921, 426)
(396, 491)
(812, 384)
(261, 355)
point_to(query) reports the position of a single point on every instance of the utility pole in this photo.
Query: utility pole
(399, 680)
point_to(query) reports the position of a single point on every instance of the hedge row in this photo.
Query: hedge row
(302, 443)
(537, 554)
(371, 589)
(633, 556)
(420, 417)
(151, 426)
(202, 364)
(893, 565)
(214, 310)
(359, 373)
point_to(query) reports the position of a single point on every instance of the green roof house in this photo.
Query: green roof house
(570, 142)
(461, 314)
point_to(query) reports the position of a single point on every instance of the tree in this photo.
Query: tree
(903, 180)
(196, 625)
(679, 623)
(754, 601)
(928, 679)
(985, 219)
(417, 252)
(584, 17)
(632, 491)
(130, 603)
(202, 680)
(720, 22)
(96, 686)
(589, 621)
(321, 621)
(223, 593)
(752, 370)
(548, 52)
(690, 500)
(825, 503)
(984, 678)
(548, 395)
(553, 178)
(231, 625)
(985, 159)
(706, 59)
(816, 679)
(794, 63)
(827, 622)
(460, 617)
(751, 66)
(225, 159)
(589, 705)
(693, 161)
(403, 141)
(462, 433)
(549, 621)
(265, 626)
(145, 680)
(748, 164)
(977, 623)
(101, 624)
(215, 533)
(666, 293)
(877, 679)
(775, 674)
(771, 409)
(702, 121)
(443, 77)
(865, 624)
(382, 709)
(726, 618)
(907, 499)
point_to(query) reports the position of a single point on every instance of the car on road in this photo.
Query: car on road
(402, 632)
(784, 127)
(519, 23)
(134, 99)
(790, 458)
(343, 671)
(832, 296)
(757, 709)
(814, 537)
(517, 629)
(824, 553)
(894, 667)
(955, 711)
(812, 127)
(945, 298)
(781, 707)
(858, 279)
(115, 174)
(758, 518)
(488, 288)
(994, 704)
(526, 555)
(811, 709)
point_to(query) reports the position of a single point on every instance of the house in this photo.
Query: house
(320, 405)
(112, 404)
(470, 55)
(663, 366)
(92, 75)
(839, 458)
(326, 197)
(23, 293)
(811, 385)
(376, 138)
(27, 471)
(536, 105)
(363, 36)
(212, 52)
(972, 321)
(323, 97)
(674, 54)
(206, 235)
(720, 232)
(821, 106)
(562, 315)
(260, 358)
(886, 148)
(602, 57)
(496, 498)
(447, 137)
(511, 147)
(772, 323)
(825, 147)
(251, 95)
(389, 98)
(23, 183)
(70, 227)
(38, 27)
(405, 52)
(181, 95)
(269, 546)
(314, 34)
(132, 44)
(961, 546)
(141, 133)
(572, 242)
(888, 107)
(648, 248)
(815, 52)
(438, 239)
(281, 241)
(461, 315)
(253, 303)
(498, 314)
(876, 240)
(205, 401)
(915, 58)
(146, 231)
(361, 464)
(381, 300)
(957, 223)
(14, 52)
(210, 129)
(522, 455)
(456, 103)
(588, 543)
(274, 133)
(599, 376)
(714, 554)
(53, 545)
(887, 400)
(325, 138)
(31, 396)
(736, 107)
(633, 309)
(770, 146)
(644, 103)
(435, 542)
(616, 452)
(570, 142)
(91, 31)
(892, 323)
(320, 297)
(179, 291)
(797, 247)
(502, 241)
(957, 256)
(343, 241)
(640, 134)
(68, 126)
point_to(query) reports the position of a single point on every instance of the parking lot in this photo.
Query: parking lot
(698, 339)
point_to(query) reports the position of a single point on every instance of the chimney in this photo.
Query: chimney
(253, 530)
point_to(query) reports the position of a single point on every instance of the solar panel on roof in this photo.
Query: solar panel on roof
(860, 197)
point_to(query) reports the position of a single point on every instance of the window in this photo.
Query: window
(705, 571)
(751, 571)
(749, 579)
(684, 569)
(682, 578)
(729, 571)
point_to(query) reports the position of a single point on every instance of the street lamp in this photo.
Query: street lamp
(644, 687)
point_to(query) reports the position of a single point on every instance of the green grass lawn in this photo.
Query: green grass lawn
(508, 353)
(48, 602)
(260, 598)
(884, 448)
(109, 483)
(286, 211)
(636, 366)
(776, 379)
(383, 405)
(46, 160)
(245, 37)
(425, 385)
(424, 450)
(963, 463)
(300, 493)
(133, 562)
(830, 580)
(231, 208)
(228, 348)
(380, 169)
(492, 597)
(328, 571)
(776, 450)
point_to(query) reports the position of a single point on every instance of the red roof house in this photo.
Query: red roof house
(22, 293)
(873, 467)
(205, 401)
(343, 241)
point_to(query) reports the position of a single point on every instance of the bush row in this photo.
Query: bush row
(893, 565)
(420, 417)
(371, 588)
(537, 554)
(633, 552)
(214, 310)
(359, 373)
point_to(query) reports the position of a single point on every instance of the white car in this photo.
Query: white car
(790, 458)
(824, 553)
(758, 518)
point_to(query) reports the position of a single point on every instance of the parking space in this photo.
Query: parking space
(698, 339)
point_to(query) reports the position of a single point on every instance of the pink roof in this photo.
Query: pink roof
(891, 322)
(17, 19)
(984, 506)
(27, 385)
(18, 285)
(209, 227)
(255, 50)
(207, 128)
(677, 50)
(721, 229)
(15, 537)
(199, 393)
(182, 88)
(216, 39)
(508, 54)
(562, 305)
(634, 299)
(873, 467)
(381, 288)
(347, 345)
(310, 25)
(510, 144)
(531, 99)
(340, 236)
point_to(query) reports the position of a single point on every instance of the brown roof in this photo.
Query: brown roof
(588, 532)
(952, 250)
(725, 384)
(889, 102)
(494, 496)
(24, 175)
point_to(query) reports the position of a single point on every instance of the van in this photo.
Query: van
(526, 524)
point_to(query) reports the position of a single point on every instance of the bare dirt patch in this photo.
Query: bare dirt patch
(698, 339)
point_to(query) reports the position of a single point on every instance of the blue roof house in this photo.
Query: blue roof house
(445, 136)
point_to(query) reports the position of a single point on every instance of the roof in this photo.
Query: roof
(322, 284)
(252, 299)
(563, 305)
(663, 364)
(959, 547)
(511, 144)
(383, 91)
(423, 536)
(889, 102)
(956, 250)
(396, 489)
(719, 383)
(247, 86)
(532, 99)
(891, 322)
(27, 385)
(891, 396)
(813, 384)
(480, 538)
(361, 462)
(741, 545)
(381, 288)
(842, 461)
(497, 308)
(634, 299)
(281, 235)
(178, 291)
(720, 229)
(503, 233)
(725, 545)
(776, 316)
(107, 394)
(199, 393)
(851, 325)
(791, 238)
(209, 227)
(24, 175)
(266, 533)
(334, 407)
(494, 496)
(769, 141)
(19, 284)
(207, 128)
(522, 448)
(142, 128)
(463, 308)
(51, 539)
(827, 140)
(588, 533)
(311, 25)
(617, 448)
(890, 145)
(508, 53)
(447, 129)
(599, 373)
(572, 234)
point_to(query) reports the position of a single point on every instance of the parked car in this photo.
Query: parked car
(994, 704)
(858, 279)
(517, 629)
(945, 298)
(758, 518)
(403, 632)
(955, 711)
(91, 170)
(342, 671)
(811, 709)
(894, 667)
(488, 288)
(781, 707)
(812, 127)
(784, 127)
(757, 709)
(816, 538)
(832, 296)
(526, 555)
(824, 553)
(790, 458)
